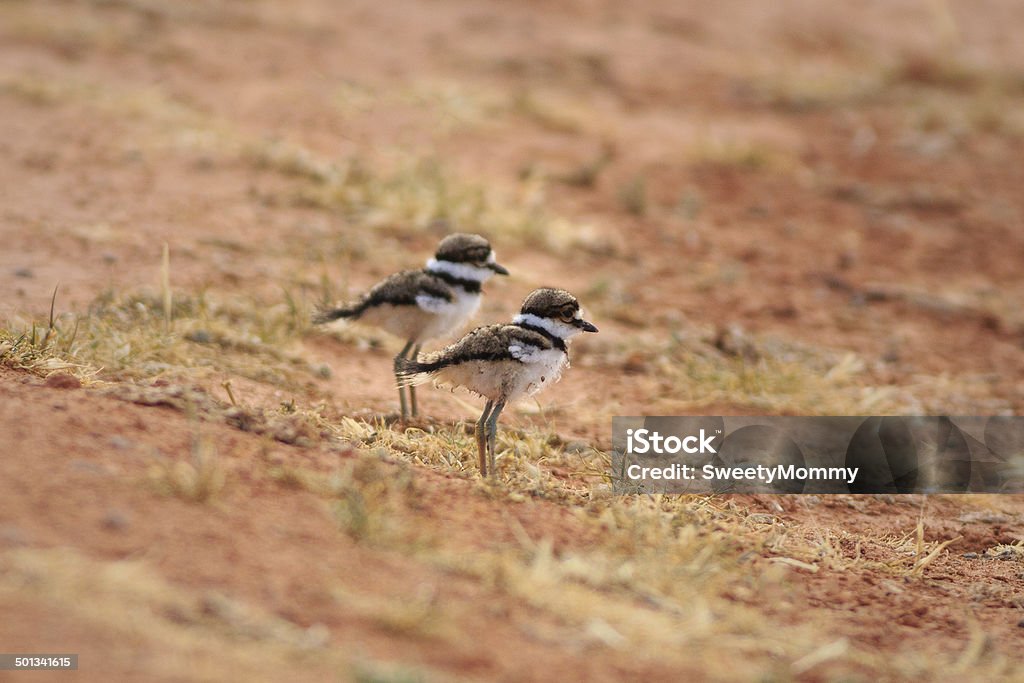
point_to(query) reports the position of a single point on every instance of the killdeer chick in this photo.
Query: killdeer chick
(502, 363)
(420, 305)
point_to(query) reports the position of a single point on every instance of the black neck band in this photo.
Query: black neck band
(471, 286)
(555, 340)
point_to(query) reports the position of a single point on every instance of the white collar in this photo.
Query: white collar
(462, 271)
(554, 327)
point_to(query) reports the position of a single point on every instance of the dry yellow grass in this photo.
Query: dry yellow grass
(662, 574)
(662, 571)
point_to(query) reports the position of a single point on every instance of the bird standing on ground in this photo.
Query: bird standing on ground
(420, 305)
(505, 362)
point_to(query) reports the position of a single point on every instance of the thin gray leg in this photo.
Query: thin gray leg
(492, 434)
(481, 438)
(401, 390)
(412, 388)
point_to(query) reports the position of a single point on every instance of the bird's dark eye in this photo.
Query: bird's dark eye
(568, 314)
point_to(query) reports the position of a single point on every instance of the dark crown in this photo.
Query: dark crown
(549, 303)
(463, 248)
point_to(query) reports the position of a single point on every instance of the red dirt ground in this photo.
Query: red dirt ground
(874, 209)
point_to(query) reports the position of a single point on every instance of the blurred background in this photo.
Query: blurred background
(845, 177)
(792, 207)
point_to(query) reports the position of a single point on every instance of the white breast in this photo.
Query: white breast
(507, 380)
(448, 316)
(544, 368)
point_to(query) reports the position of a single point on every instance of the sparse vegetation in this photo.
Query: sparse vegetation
(633, 196)
(752, 208)
(739, 154)
(542, 112)
(140, 336)
(198, 480)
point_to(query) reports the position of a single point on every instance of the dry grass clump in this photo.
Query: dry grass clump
(1007, 551)
(421, 615)
(29, 23)
(198, 480)
(43, 92)
(450, 105)
(418, 195)
(632, 196)
(41, 349)
(527, 459)
(778, 385)
(696, 368)
(907, 555)
(138, 336)
(371, 501)
(448, 448)
(557, 117)
(738, 153)
(32, 350)
(384, 672)
(806, 87)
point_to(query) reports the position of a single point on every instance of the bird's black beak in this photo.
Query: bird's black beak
(585, 326)
(497, 268)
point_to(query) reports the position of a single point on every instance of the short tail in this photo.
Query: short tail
(410, 371)
(326, 315)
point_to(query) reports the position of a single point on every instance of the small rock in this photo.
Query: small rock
(119, 443)
(199, 336)
(316, 636)
(732, 340)
(63, 380)
(178, 614)
(115, 520)
(12, 535)
(86, 467)
(761, 518)
(1020, 624)
(600, 631)
(970, 556)
(23, 272)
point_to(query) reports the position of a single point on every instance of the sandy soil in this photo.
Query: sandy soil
(835, 180)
